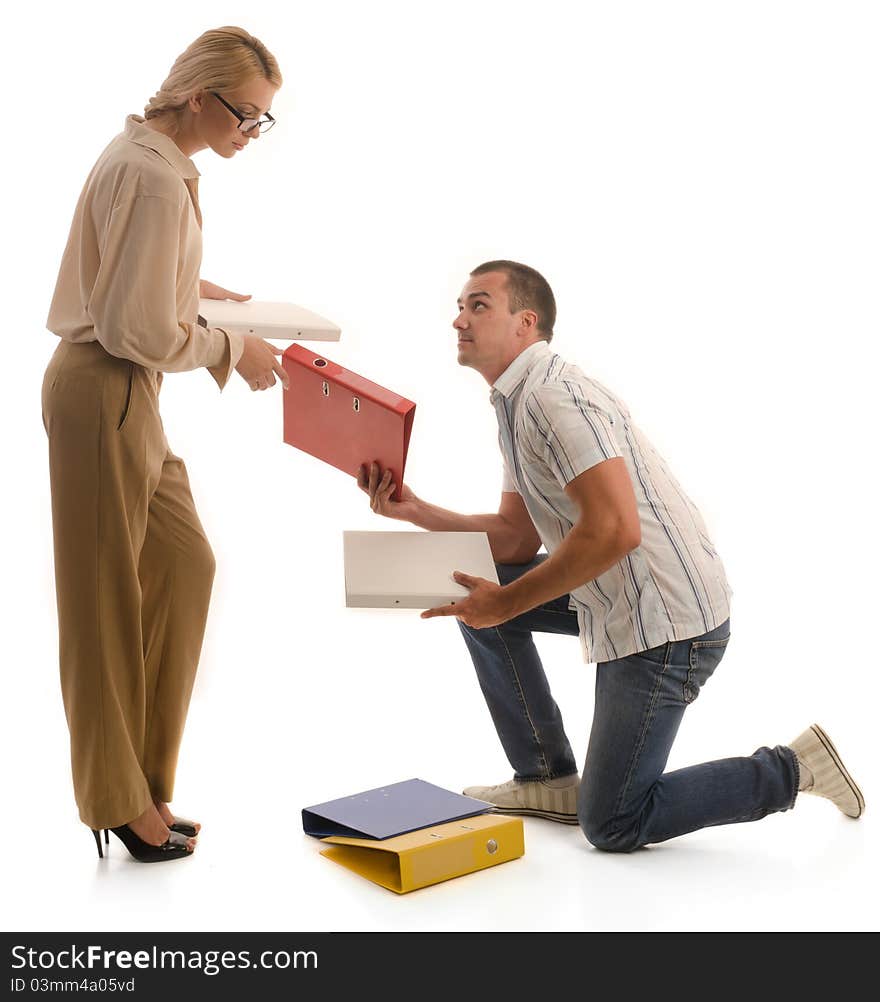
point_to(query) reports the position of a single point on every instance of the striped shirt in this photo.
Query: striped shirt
(553, 424)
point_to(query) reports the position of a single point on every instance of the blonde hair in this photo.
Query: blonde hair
(221, 59)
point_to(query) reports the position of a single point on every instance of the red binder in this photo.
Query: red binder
(342, 418)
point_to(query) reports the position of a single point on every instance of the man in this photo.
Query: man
(629, 567)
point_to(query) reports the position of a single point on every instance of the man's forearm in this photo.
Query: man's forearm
(505, 542)
(582, 556)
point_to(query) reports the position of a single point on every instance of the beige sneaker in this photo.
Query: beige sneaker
(533, 797)
(830, 777)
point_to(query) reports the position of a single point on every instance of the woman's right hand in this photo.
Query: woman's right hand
(380, 488)
(258, 365)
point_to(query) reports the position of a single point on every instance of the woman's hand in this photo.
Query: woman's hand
(258, 364)
(207, 290)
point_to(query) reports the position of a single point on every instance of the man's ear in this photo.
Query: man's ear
(528, 323)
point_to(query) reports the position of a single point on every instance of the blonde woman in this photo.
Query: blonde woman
(133, 568)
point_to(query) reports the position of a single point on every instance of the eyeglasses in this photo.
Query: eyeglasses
(245, 124)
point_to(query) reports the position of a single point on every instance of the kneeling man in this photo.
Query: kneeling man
(630, 569)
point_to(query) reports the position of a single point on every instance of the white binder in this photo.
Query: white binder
(412, 570)
(284, 321)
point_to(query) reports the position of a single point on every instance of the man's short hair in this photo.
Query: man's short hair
(527, 289)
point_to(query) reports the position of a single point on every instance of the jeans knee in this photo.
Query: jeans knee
(486, 636)
(467, 631)
(609, 834)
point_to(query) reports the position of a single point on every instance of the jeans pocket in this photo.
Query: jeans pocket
(126, 409)
(703, 660)
(659, 655)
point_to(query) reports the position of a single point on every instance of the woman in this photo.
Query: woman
(133, 568)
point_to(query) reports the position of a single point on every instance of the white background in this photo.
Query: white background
(698, 181)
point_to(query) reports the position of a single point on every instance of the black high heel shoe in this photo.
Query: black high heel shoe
(184, 827)
(173, 848)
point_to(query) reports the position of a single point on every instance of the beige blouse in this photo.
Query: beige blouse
(129, 277)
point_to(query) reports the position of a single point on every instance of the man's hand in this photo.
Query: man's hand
(207, 290)
(258, 364)
(380, 488)
(486, 605)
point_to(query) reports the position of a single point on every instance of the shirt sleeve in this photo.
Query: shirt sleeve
(133, 304)
(231, 354)
(568, 432)
(507, 484)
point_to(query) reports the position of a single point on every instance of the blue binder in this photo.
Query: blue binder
(389, 810)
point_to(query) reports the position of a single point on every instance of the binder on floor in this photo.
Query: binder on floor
(431, 855)
(342, 418)
(389, 811)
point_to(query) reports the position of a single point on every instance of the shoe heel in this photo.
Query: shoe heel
(97, 835)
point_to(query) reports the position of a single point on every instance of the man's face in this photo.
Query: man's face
(489, 335)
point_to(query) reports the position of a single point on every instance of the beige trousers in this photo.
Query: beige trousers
(133, 574)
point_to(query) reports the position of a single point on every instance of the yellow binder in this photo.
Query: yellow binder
(431, 855)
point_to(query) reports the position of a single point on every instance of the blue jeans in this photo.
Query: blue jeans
(625, 800)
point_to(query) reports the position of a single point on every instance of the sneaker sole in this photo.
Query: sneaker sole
(533, 812)
(828, 744)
